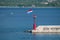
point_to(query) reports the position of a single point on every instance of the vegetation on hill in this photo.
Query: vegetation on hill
(30, 3)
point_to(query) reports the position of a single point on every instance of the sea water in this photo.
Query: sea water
(14, 21)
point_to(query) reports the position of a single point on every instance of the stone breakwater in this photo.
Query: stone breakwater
(48, 29)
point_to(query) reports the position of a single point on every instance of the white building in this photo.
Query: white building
(51, 0)
(44, 2)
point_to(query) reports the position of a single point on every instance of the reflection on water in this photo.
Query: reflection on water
(29, 36)
(47, 36)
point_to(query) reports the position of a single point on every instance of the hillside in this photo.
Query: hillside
(30, 3)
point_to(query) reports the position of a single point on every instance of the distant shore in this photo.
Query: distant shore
(25, 7)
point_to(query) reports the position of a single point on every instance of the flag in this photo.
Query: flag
(29, 11)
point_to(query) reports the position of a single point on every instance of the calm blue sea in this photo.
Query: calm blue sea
(14, 21)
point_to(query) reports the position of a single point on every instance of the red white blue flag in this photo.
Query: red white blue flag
(29, 11)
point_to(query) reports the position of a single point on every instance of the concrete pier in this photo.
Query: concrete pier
(48, 29)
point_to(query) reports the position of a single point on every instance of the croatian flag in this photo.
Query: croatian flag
(29, 11)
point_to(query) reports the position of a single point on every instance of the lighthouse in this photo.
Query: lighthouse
(34, 22)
